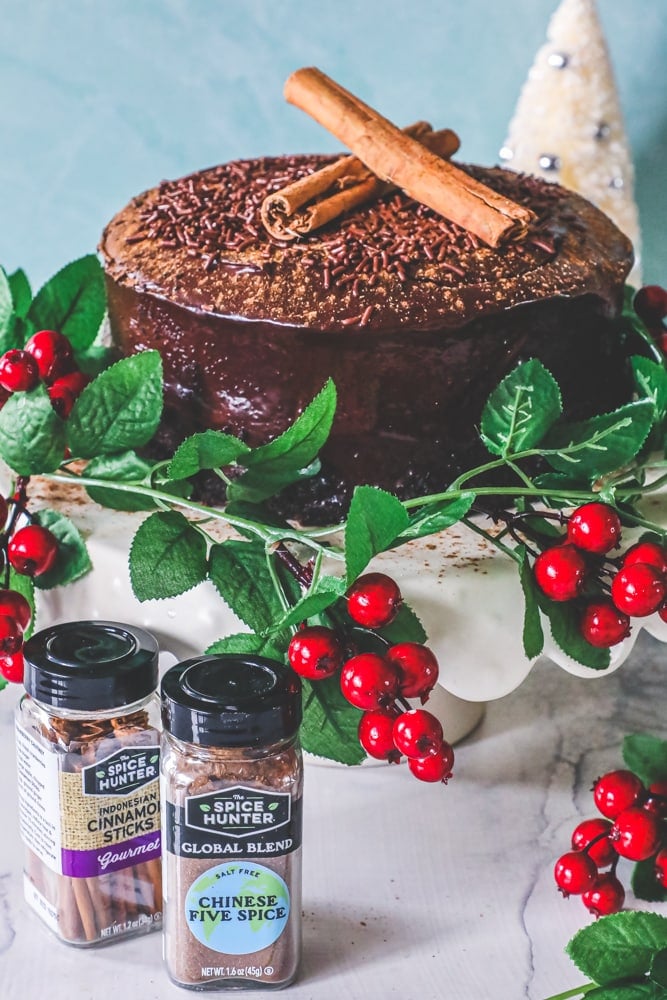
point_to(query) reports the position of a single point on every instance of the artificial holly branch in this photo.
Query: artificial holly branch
(278, 578)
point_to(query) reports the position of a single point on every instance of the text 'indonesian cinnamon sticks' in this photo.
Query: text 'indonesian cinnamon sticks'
(401, 159)
(233, 781)
(88, 768)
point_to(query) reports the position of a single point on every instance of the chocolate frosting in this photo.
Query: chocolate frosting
(394, 264)
(414, 320)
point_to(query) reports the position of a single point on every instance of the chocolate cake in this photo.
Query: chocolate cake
(414, 318)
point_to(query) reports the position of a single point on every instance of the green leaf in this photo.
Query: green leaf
(72, 302)
(240, 574)
(257, 485)
(326, 592)
(603, 443)
(628, 991)
(120, 409)
(24, 585)
(6, 303)
(520, 411)
(644, 883)
(247, 643)
(406, 627)
(647, 756)
(620, 946)
(651, 381)
(95, 359)
(205, 450)
(204, 808)
(658, 970)
(73, 560)
(374, 521)
(533, 636)
(21, 292)
(436, 517)
(564, 620)
(32, 435)
(275, 465)
(125, 467)
(330, 724)
(14, 334)
(167, 556)
(273, 805)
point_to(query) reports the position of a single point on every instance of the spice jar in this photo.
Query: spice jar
(233, 778)
(87, 738)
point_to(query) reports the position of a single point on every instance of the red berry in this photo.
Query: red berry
(594, 527)
(656, 802)
(638, 590)
(11, 668)
(75, 382)
(315, 652)
(662, 611)
(14, 605)
(575, 873)
(61, 398)
(603, 625)
(369, 681)
(418, 669)
(33, 550)
(436, 767)
(373, 600)
(649, 553)
(560, 572)
(602, 851)
(417, 733)
(636, 834)
(651, 303)
(661, 867)
(52, 353)
(617, 791)
(376, 735)
(18, 371)
(11, 636)
(607, 896)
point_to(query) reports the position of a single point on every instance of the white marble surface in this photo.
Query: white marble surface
(410, 890)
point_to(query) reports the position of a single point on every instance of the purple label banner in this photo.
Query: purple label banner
(102, 860)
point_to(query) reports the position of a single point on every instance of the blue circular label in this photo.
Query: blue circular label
(237, 908)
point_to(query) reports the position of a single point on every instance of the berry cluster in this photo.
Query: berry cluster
(651, 306)
(48, 357)
(380, 684)
(611, 590)
(30, 550)
(633, 827)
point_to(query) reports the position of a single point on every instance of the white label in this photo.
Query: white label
(40, 904)
(39, 799)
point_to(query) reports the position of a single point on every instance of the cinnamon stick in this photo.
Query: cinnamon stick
(312, 201)
(402, 160)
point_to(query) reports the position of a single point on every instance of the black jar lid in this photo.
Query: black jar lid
(230, 700)
(90, 665)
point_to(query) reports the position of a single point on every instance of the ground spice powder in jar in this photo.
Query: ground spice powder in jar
(232, 787)
(87, 740)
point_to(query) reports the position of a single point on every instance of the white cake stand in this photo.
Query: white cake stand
(467, 594)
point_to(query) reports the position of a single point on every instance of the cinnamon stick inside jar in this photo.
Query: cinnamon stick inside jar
(232, 788)
(87, 738)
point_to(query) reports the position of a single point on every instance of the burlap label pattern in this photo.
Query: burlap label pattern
(94, 821)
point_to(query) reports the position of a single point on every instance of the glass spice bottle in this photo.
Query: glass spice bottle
(232, 786)
(87, 740)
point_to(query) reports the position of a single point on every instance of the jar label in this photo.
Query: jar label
(91, 820)
(235, 821)
(237, 908)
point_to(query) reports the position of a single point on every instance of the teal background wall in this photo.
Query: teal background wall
(100, 99)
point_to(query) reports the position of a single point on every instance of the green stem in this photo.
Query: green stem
(512, 553)
(266, 534)
(284, 603)
(578, 991)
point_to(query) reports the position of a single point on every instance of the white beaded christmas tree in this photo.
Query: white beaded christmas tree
(568, 125)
